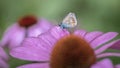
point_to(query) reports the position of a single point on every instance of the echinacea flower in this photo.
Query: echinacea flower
(28, 26)
(58, 48)
(3, 58)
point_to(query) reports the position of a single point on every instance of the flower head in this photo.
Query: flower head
(28, 26)
(27, 21)
(72, 52)
(58, 47)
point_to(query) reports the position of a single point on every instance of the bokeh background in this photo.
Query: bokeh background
(103, 15)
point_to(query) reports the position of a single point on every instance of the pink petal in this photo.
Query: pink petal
(57, 32)
(48, 40)
(92, 35)
(80, 33)
(116, 45)
(3, 64)
(38, 43)
(104, 47)
(35, 65)
(38, 49)
(41, 27)
(108, 55)
(30, 53)
(117, 66)
(3, 54)
(105, 63)
(103, 39)
(32, 46)
(13, 36)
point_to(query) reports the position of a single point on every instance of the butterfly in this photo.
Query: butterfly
(69, 21)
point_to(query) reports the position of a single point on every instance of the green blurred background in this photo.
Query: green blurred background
(103, 15)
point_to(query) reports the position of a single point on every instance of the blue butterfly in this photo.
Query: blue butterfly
(69, 21)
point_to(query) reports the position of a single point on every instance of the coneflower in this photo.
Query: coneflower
(58, 48)
(27, 26)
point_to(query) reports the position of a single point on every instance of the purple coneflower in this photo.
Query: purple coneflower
(3, 59)
(58, 48)
(28, 26)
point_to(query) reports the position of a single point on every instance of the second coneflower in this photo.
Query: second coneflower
(27, 26)
(58, 48)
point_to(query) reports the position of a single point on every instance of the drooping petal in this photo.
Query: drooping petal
(3, 55)
(13, 36)
(92, 35)
(39, 49)
(116, 45)
(35, 65)
(105, 63)
(40, 27)
(3, 64)
(103, 39)
(108, 54)
(38, 43)
(107, 46)
(31, 53)
(80, 33)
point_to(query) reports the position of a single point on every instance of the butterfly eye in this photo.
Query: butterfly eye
(69, 21)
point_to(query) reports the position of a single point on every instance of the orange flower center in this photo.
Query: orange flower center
(27, 21)
(72, 52)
